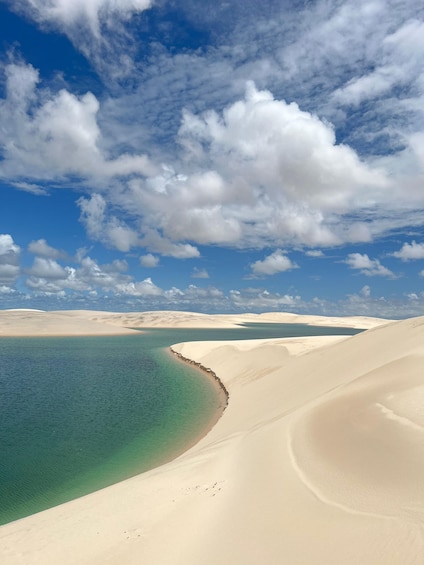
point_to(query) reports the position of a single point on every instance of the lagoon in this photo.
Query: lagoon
(78, 414)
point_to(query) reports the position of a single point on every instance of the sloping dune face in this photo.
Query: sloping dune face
(328, 449)
(362, 447)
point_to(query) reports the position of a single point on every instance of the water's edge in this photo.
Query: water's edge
(208, 372)
(210, 418)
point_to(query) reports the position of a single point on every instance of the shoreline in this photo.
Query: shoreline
(209, 373)
(199, 427)
(223, 396)
(320, 441)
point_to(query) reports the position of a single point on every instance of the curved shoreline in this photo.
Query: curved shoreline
(216, 402)
(206, 370)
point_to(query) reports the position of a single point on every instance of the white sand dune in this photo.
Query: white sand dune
(176, 319)
(25, 322)
(318, 459)
(28, 322)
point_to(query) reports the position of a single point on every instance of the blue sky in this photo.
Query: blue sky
(228, 156)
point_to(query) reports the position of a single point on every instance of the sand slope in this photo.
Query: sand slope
(318, 459)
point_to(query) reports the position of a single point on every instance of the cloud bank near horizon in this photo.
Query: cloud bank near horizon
(65, 282)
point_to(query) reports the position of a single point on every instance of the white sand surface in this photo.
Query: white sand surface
(318, 459)
(29, 322)
(176, 319)
(25, 322)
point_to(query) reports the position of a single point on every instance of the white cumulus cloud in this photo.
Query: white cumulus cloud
(260, 171)
(263, 300)
(145, 288)
(47, 269)
(277, 262)
(149, 260)
(41, 248)
(104, 227)
(52, 135)
(410, 251)
(9, 260)
(367, 266)
(199, 273)
(366, 291)
(7, 246)
(289, 152)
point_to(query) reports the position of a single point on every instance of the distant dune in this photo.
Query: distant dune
(23, 322)
(27, 322)
(318, 459)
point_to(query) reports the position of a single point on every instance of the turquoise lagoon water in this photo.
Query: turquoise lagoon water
(80, 413)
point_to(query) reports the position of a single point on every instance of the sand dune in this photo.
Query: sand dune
(23, 322)
(29, 322)
(166, 319)
(318, 459)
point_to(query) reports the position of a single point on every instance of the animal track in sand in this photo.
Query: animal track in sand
(133, 534)
(211, 489)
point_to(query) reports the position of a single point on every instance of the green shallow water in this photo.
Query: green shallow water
(80, 413)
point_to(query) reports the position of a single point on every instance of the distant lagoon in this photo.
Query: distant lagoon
(80, 413)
